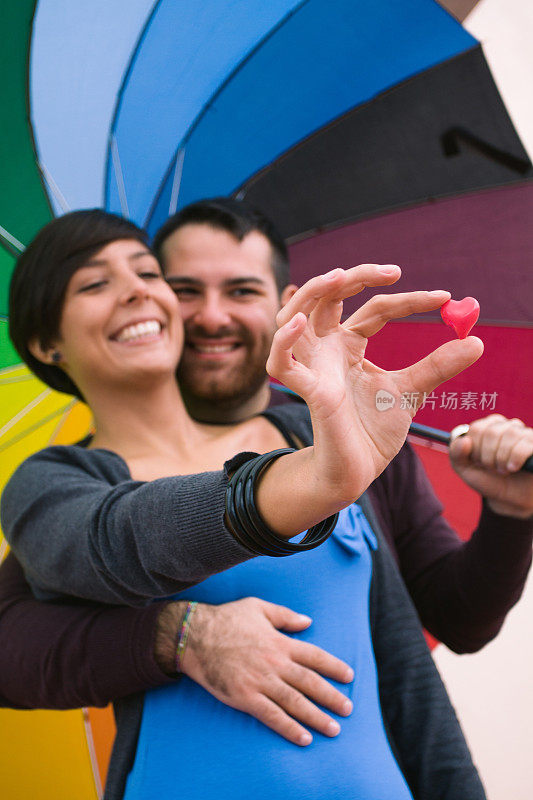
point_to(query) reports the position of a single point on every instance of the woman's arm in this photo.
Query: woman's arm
(81, 526)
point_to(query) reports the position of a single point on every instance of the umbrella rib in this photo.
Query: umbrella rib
(36, 426)
(26, 410)
(119, 177)
(10, 239)
(92, 752)
(62, 420)
(18, 379)
(176, 182)
(13, 367)
(54, 188)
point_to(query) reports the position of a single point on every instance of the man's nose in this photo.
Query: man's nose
(211, 314)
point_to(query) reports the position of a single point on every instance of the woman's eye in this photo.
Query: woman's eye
(94, 285)
(150, 275)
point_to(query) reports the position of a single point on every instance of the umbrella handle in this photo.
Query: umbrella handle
(444, 437)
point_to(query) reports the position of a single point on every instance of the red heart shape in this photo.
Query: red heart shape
(461, 315)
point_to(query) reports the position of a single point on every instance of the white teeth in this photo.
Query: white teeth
(150, 328)
(214, 348)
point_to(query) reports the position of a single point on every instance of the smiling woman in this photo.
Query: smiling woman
(119, 322)
(38, 293)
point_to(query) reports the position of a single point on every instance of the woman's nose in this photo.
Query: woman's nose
(135, 289)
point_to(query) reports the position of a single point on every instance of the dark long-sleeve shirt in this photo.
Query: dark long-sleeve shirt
(70, 654)
(462, 591)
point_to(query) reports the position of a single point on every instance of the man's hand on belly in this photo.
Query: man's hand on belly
(236, 652)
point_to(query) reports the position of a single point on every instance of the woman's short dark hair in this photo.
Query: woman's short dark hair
(41, 277)
(236, 217)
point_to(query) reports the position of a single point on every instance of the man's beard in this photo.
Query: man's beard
(227, 386)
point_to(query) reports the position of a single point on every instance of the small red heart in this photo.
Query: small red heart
(461, 315)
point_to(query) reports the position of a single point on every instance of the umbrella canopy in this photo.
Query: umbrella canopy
(367, 131)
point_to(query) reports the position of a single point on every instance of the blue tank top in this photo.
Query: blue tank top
(193, 747)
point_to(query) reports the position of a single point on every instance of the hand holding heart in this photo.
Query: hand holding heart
(354, 438)
(461, 315)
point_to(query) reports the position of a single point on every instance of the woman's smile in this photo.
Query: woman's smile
(120, 319)
(141, 332)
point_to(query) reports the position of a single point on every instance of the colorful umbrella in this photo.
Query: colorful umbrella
(366, 131)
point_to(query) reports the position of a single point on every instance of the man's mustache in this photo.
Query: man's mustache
(196, 332)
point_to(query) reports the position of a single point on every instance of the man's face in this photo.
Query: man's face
(229, 302)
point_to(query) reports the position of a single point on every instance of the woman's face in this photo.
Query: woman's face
(120, 321)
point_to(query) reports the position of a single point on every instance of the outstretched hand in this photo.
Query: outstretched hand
(356, 436)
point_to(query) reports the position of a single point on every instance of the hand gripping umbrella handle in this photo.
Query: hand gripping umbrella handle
(437, 435)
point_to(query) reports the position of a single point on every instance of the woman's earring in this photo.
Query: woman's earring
(56, 357)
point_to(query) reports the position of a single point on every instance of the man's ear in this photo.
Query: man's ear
(47, 355)
(287, 293)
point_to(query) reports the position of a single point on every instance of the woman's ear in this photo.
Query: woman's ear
(287, 293)
(48, 355)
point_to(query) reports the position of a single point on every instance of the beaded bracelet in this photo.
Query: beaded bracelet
(184, 633)
(246, 523)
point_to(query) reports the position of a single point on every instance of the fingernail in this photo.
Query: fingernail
(347, 707)
(333, 728)
(349, 674)
(438, 293)
(305, 739)
(304, 618)
(512, 466)
(388, 269)
(329, 276)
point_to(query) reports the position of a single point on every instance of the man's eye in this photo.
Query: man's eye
(184, 292)
(243, 291)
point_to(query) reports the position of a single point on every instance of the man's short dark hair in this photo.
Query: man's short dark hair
(41, 276)
(237, 218)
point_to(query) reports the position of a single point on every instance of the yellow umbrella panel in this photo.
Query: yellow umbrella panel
(45, 754)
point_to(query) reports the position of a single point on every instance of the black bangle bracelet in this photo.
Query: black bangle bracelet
(238, 514)
(247, 524)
